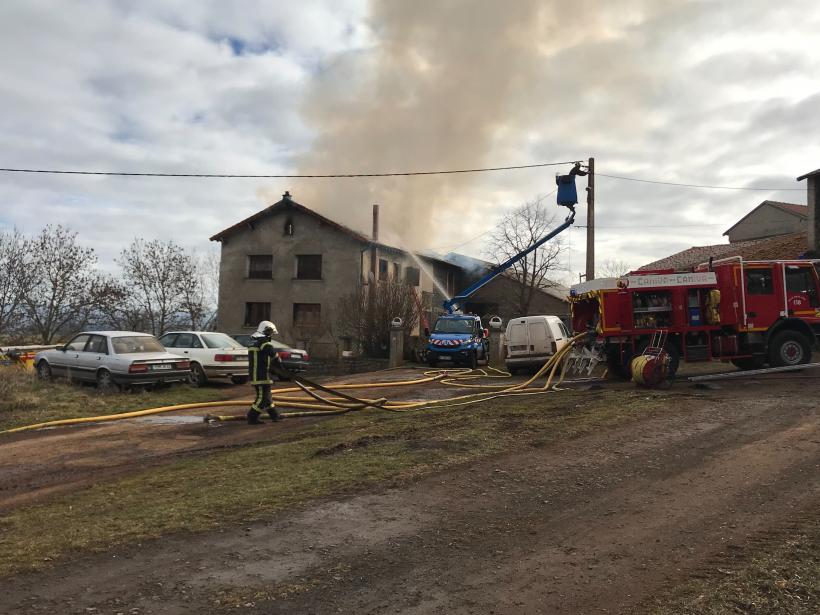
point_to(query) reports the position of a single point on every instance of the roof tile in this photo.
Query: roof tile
(770, 248)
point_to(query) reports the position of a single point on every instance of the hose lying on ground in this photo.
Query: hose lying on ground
(342, 403)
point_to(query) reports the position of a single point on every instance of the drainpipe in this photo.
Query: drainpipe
(375, 238)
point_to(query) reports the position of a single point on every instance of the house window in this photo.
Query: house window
(759, 282)
(309, 267)
(287, 231)
(412, 276)
(260, 267)
(307, 314)
(382, 269)
(256, 313)
(396, 272)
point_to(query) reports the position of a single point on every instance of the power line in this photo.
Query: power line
(655, 181)
(390, 174)
(287, 176)
(640, 226)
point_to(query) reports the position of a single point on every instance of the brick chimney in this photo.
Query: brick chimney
(814, 210)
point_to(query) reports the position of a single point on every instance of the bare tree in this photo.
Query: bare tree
(517, 231)
(202, 289)
(14, 280)
(368, 322)
(612, 268)
(64, 283)
(162, 283)
(116, 309)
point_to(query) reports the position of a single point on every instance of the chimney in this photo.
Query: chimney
(814, 211)
(375, 222)
(286, 196)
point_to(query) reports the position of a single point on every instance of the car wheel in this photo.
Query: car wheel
(44, 371)
(789, 348)
(239, 379)
(197, 377)
(104, 380)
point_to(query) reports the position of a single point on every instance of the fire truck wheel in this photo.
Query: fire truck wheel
(788, 348)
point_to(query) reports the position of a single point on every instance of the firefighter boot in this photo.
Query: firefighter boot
(274, 415)
(253, 417)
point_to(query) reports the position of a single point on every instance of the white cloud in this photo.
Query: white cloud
(701, 92)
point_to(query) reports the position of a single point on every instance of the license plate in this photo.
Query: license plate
(162, 366)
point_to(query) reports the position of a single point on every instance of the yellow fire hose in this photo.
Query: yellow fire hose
(326, 406)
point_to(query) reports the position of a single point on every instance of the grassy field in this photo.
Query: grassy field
(25, 400)
(335, 456)
(778, 576)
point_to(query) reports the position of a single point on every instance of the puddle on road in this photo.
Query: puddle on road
(168, 420)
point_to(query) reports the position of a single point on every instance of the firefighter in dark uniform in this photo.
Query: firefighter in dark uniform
(261, 355)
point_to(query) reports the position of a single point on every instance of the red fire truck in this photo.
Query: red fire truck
(751, 313)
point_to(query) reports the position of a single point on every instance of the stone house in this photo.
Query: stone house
(769, 219)
(291, 265)
(771, 231)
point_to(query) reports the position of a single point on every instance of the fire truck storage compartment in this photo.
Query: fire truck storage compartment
(652, 309)
(697, 346)
(585, 314)
(694, 309)
(725, 345)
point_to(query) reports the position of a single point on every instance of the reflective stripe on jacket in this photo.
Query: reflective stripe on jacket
(260, 355)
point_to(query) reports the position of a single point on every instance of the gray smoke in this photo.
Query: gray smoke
(445, 84)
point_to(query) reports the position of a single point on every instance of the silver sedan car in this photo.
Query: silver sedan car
(113, 358)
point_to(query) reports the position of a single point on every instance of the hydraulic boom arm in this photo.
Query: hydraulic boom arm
(454, 304)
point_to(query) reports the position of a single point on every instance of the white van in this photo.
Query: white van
(532, 340)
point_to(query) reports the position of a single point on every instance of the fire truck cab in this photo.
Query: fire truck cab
(752, 313)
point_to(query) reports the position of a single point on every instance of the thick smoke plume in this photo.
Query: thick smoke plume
(444, 84)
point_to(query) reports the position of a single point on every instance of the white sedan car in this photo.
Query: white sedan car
(112, 358)
(212, 355)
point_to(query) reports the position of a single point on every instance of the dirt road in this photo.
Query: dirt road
(35, 466)
(599, 524)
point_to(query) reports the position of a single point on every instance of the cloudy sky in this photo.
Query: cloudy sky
(705, 92)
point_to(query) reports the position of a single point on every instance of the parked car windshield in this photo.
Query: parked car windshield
(219, 340)
(446, 325)
(136, 343)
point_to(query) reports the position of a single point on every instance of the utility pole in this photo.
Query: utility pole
(591, 220)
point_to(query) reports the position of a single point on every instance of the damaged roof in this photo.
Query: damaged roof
(479, 267)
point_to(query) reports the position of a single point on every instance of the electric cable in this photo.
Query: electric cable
(286, 175)
(682, 185)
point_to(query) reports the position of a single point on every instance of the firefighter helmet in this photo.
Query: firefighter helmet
(265, 329)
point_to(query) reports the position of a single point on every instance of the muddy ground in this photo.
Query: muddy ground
(600, 524)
